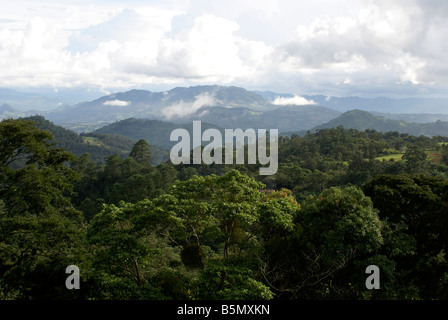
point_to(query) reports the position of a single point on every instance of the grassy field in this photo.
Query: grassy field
(395, 156)
(93, 141)
(433, 156)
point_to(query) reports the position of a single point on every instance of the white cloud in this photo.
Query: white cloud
(185, 108)
(296, 100)
(321, 46)
(209, 51)
(385, 44)
(117, 103)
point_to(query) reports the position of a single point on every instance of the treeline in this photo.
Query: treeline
(139, 231)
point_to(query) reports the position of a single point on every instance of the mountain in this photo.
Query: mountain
(414, 117)
(7, 111)
(6, 108)
(287, 118)
(271, 96)
(226, 107)
(362, 120)
(385, 105)
(156, 105)
(284, 118)
(25, 101)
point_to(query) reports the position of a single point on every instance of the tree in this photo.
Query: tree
(215, 226)
(415, 159)
(231, 280)
(415, 213)
(40, 229)
(331, 232)
(141, 152)
(127, 255)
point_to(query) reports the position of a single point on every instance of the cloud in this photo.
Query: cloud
(209, 51)
(296, 100)
(383, 45)
(185, 108)
(315, 47)
(117, 103)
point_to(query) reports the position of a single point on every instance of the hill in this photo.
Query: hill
(381, 104)
(362, 120)
(285, 118)
(413, 117)
(98, 146)
(155, 132)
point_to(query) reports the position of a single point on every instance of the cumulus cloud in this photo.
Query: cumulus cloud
(295, 100)
(209, 51)
(185, 108)
(383, 44)
(117, 103)
(321, 46)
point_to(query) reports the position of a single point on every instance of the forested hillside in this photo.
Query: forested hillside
(341, 200)
(97, 145)
(362, 120)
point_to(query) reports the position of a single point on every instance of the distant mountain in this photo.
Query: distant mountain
(362, 120)
(157, 105)
(226, 107)
(414, 117)
(223, 106)
(6, 108)
(7, 111)
(271, 96)
(385, 105)
(285, 118)
(24, 101)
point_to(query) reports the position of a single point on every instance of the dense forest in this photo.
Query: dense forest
(341, 200)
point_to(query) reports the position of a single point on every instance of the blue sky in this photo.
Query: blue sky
(330, 47)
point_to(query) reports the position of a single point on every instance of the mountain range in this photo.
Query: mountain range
(144, 114)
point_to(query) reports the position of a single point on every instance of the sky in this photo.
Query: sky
(394, 48)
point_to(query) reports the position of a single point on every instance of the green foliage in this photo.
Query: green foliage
(332, 231)
(230, 280)
(415, 159)
(414, 209)
(141, 152)
(97, 145)
(40, 229)
(139, 231)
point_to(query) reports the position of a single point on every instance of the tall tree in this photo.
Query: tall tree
(40, 229)
(141, 152)
(415, 159)
(414, 209)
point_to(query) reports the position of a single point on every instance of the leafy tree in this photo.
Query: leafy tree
(129, 256)
(231, 280)
(41, 232)
(414, 208)
(331, 232)
(141, 152)
(415, 159)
